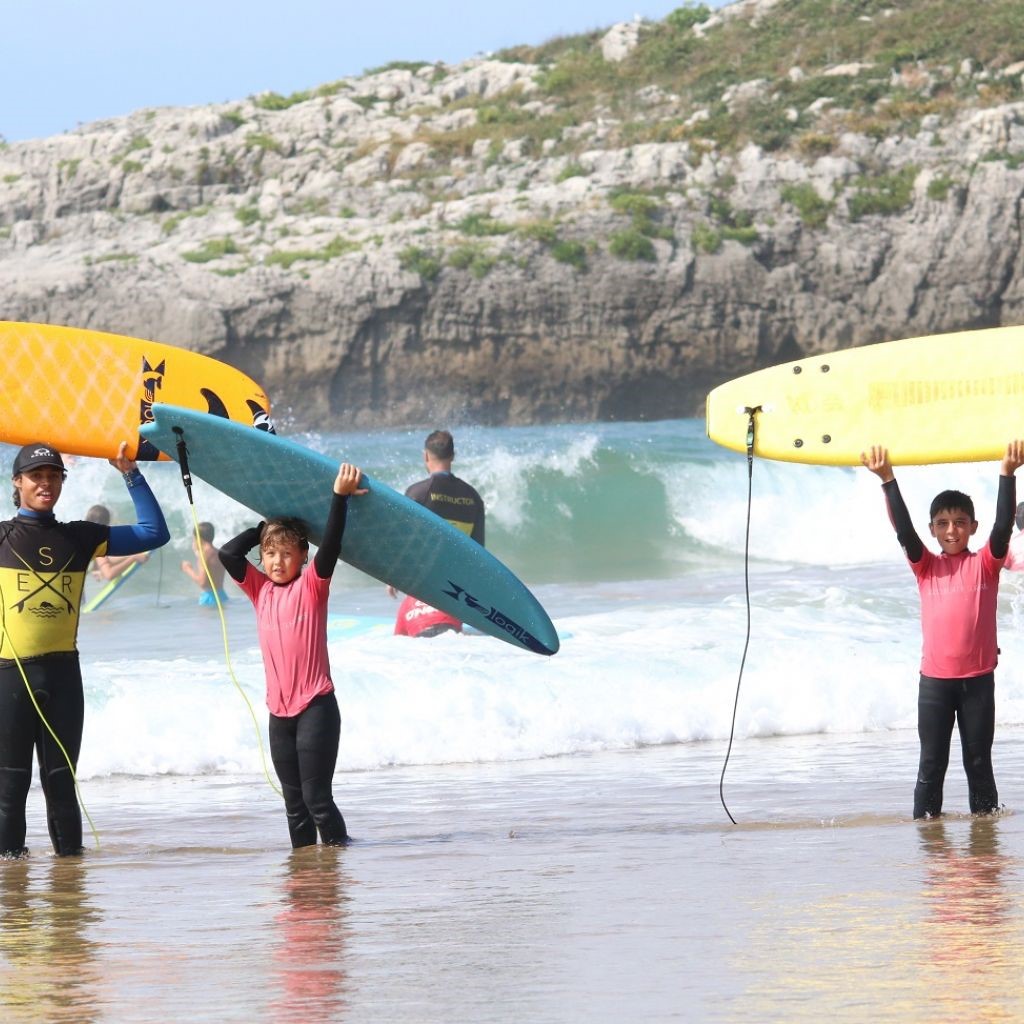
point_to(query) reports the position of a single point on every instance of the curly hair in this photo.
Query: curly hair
(284, 529)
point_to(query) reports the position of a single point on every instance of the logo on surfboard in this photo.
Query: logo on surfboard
(152, 382)
(499, 618)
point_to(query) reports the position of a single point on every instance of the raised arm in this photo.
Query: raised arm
(232, 554)
(1006, 501)
(346, 483)
(876, 459)
(150, 531)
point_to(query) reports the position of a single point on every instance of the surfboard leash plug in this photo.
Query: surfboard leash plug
(751, 411)
(186, 476)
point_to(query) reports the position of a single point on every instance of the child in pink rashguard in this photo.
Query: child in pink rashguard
(290, 599)
(958, 590)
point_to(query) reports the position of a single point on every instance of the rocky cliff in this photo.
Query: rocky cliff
(603, 226)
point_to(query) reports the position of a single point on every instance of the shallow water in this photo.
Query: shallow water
(602, 886)
(543, 839)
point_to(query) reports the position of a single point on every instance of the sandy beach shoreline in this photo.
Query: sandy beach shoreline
(596, 887)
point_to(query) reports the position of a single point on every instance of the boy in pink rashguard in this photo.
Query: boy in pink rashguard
(959, 652)
(291, 620)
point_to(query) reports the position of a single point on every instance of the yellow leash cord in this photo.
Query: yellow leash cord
(186, 479)
(56, 739)
(227, 649)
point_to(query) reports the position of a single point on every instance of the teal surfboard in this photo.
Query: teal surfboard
(110, 587)
(387, 535)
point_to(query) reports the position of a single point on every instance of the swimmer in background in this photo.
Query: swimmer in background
(206, 553)
(108, 567)
(1015, 556)
(415, 618)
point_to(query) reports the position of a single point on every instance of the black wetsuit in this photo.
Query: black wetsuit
(43, 564)
(452, 499)
(304, 749)
(972, 703)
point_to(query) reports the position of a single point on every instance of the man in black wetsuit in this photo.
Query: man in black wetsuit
(444, 493)
(451, 498)
(43, 564)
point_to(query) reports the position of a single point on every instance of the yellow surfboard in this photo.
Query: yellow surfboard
(941, 398)
(84, 392)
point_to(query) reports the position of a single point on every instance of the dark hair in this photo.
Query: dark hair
(285, 528)
(32, 456)
(951, 501)
(440, 444)
(206, 532)
(98, 514)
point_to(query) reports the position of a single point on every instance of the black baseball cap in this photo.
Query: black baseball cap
(32, 456)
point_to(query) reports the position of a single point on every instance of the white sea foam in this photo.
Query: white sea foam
(652, 656)
(634, 675)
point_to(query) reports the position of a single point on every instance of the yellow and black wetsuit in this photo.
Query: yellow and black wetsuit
(42, 572)
(452, 499)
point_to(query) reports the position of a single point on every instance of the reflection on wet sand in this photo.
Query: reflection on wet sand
(311, 937)
(48, 969)
(947, 948)
(974, 945)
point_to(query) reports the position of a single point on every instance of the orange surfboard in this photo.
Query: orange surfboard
(84, 392)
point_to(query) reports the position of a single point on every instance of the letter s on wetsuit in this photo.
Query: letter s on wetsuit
(43, 564)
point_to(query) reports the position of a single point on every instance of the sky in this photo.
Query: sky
(67, 63)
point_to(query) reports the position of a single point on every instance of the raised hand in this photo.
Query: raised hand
(347, 480)
(876, 458)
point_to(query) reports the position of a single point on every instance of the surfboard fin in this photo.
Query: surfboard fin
(260, 417)
(214, 405)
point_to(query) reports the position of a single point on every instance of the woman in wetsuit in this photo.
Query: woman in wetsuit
(43, 564)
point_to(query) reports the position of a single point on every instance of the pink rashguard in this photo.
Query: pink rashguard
(1015, 556)
(958, 613)
(291, 621)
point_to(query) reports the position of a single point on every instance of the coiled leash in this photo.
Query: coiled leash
(751, 412)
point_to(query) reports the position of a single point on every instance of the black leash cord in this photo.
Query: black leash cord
(186, 476)
(751, 413)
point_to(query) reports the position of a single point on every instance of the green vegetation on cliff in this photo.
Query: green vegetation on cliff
(882, 64)
(643, 210)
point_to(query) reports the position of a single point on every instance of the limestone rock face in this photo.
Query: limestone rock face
(400, 249)
(620, 40)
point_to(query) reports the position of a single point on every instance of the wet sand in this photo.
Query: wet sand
(595, 887)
